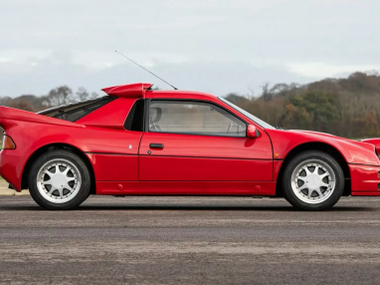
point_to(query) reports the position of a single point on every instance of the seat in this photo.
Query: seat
(155, 114)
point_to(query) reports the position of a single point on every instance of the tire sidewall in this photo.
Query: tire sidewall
(83, 170)
(339, 183)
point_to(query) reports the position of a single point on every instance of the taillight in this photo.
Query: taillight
(8, 143)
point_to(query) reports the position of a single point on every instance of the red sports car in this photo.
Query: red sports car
(137, 141)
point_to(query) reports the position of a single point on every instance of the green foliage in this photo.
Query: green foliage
(347, 107)
(61, 95)
(315, 108)
(236, 99)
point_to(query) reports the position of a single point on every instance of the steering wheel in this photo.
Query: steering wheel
(229, 128)
(155, 127)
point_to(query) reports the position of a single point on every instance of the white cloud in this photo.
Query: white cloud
(323, 70)
(219, 77)
(45, 42)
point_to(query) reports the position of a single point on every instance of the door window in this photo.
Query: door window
(186, 117)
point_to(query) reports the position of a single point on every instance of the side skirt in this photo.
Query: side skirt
(366, 193)
(259, 188)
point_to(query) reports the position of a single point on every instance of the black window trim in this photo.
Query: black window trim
(133, 115)
(146, 117)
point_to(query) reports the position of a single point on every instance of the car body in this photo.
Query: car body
(139, 141)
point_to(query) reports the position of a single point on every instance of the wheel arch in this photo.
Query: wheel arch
(54, 146)
(324, 147)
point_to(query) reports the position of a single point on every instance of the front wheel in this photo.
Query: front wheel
(313, 180)
(59, 180)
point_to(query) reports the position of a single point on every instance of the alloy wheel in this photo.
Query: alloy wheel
(313, 181)
(59, 181)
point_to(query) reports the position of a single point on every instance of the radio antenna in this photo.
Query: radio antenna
(175, 88)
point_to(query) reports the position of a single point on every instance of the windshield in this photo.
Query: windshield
(258, 121)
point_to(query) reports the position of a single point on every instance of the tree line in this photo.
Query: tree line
(348, 107)
(61, 95)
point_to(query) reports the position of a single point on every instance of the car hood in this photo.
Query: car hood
(321, 134)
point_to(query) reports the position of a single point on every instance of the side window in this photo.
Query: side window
(74, 112)
(186, 117)
(135, 119)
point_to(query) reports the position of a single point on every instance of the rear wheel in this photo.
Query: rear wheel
(59, 180)
(313, 180)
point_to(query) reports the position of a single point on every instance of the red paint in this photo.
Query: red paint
(187, 165)
(136, 90)
(364, 178)
(365, 193)
(110, 115)
(276, 168)
(172, 168)
(375, 142)
(186, 188)
(353, 151)
(114, 167)
(193, 157)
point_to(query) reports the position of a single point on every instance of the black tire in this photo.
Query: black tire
(55, 200)
(300, 198)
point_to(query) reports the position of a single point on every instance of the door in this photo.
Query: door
(200, 141)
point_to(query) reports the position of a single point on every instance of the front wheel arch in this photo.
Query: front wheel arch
(55, 146)
(321, 147)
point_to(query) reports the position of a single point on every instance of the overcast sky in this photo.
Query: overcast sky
(218, 46)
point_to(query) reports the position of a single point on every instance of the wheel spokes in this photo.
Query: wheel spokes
(68, 187)
(65, 171)
(307, 170)
(60, 180)
(319, 192)
(313, 181)
(324, 184)
(51, 191)
(302, 178)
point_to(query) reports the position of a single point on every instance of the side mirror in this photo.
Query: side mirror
(252, 132)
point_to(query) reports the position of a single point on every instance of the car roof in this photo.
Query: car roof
(178, 94)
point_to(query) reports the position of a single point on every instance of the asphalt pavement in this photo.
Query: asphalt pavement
(189, 240)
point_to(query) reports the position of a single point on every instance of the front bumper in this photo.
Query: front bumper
(365, 180)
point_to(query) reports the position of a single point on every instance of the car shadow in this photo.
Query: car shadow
(187, 207)
(184, 207)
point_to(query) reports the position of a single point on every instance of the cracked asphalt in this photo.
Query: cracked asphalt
(189, 240)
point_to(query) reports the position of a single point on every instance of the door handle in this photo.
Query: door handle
(156, 145)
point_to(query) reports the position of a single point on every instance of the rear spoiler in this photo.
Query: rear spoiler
(135, 90)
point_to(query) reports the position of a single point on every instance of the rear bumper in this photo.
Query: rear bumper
(10, 167)
(364, 180)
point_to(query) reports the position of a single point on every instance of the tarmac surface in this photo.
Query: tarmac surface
(189, 240)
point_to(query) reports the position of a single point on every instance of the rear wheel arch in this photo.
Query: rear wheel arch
(55, 146)
(321, 147)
